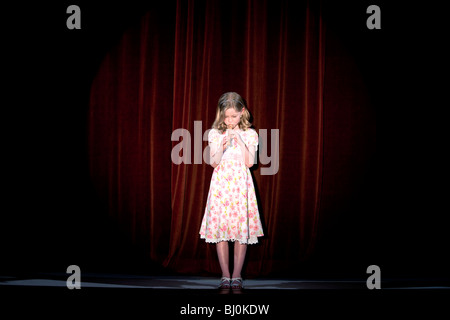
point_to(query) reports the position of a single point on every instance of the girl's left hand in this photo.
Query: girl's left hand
(237, 138)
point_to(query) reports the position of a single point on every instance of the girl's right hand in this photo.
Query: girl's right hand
(225, 142)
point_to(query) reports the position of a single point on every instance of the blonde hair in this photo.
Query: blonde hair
(231, 100)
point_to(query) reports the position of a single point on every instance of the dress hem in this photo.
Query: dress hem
(241, 241)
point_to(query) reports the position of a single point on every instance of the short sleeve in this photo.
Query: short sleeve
(213, 136)
(214, 139)
(252, 138)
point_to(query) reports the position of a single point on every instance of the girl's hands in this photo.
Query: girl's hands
(225, 142)
(234, 136)
(237, 139)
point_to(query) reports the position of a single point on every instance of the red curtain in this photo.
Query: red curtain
(168, 71)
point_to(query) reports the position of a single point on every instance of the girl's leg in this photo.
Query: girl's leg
(223, 255)
(239, 257)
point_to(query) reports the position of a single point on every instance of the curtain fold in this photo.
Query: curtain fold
(167, 73)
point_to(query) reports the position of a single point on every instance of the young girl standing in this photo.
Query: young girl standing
(231, 210)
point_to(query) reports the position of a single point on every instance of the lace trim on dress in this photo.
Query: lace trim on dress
(252, 240)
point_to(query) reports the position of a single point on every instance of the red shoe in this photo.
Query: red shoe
(224, 283)
(236, 283)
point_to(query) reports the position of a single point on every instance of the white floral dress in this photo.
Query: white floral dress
(232, 210)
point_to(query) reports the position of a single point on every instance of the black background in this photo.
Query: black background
(51, 218)
(46, 102)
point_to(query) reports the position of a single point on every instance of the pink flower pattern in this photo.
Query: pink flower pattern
(231, 211)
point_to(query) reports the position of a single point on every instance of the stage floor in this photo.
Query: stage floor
(210, 283)
(189, 297)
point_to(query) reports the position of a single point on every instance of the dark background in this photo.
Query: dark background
(51, 217)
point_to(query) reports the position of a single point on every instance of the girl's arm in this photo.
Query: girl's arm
(216, 152)
(248, 152)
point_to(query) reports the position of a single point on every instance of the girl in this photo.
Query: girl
(231, 210)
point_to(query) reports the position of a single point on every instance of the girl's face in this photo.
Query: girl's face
(232, 117)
